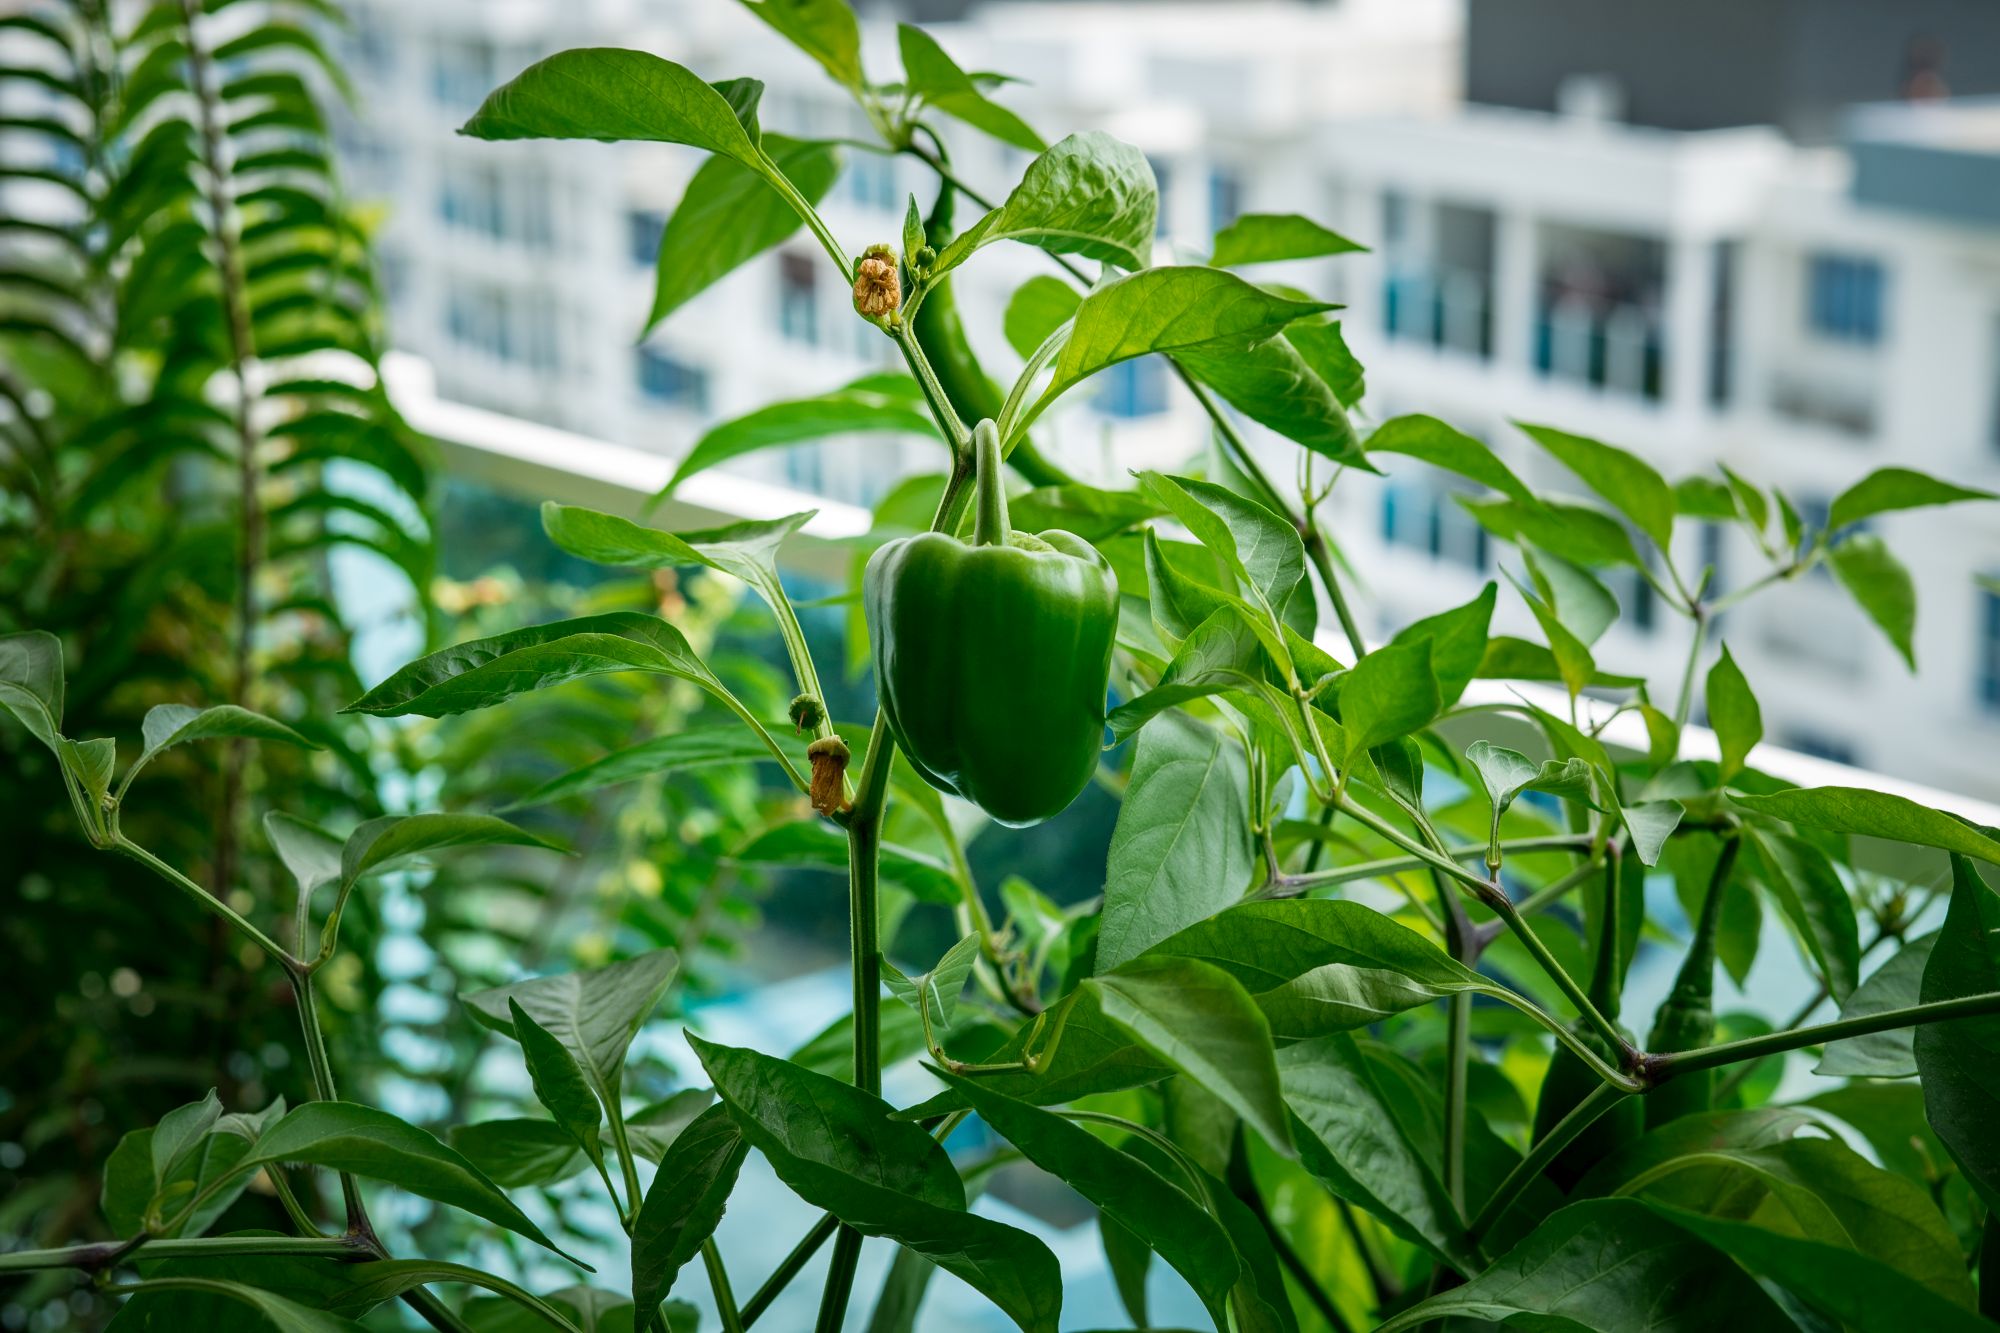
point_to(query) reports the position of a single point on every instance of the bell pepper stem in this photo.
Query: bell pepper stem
(989, 514)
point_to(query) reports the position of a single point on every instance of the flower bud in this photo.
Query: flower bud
(807, 712)
(878, 288)
(829, 772)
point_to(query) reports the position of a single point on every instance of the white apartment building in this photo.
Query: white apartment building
(1806, 314)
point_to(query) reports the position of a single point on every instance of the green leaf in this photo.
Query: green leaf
(1820, 1190)
(91, 763)
(31, 682)
(1128, 1258)
(1272, 384)
(1733, 712)
(936, 77)
(814, 844)
(487, 671)
(592, 1311)
(307, 850)
(1893, 985)
(1584, 606)
(1319, 965)
(1434, 442)
(746, 550)
(1623, 479)
(1705, 497)
(1572, 657)
(725, 743)
(1961, 1074)
(879, 402)
(1853, 1288)
(1508, 773)
(344, 1137)
(1757, 1127)
(1261, 547)
(1180, 850)
(1458, 642)
(1391, 692)
(1355, 1144)
(1199, 1020)
(393, 840)
(1651, 823)
(212, 1303)
(1874, 814)
(559, 1083)
(826, 30)
(1325, 350)
(937, 991)
(839, 1149)
(1086, 511)
(684, 1205)
(1089, 195)
(1264, 238)
(652, 1130)
(1892, 488)
(1221, 654)
(730, 214)
(1132, 1194)
(1814, 900)
(175, 724)
(594, 1014)
(1038, 307)
(1750, 502)
(1611, 1266)
(609, 94)
(1172, 309)
(1575, 532)
(519, 1152)
(1881, 587)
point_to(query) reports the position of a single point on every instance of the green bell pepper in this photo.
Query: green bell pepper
(991, 659)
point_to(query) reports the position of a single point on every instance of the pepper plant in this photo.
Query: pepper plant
(1340, 1043)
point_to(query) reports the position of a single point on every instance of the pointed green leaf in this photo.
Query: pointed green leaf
(1199, 1020)
(1575, 532)
(1814, 900)
(936, 77)
(937, 991)
(1221, 654)
(393, 840)
(175, 724)
(839, 1149)
(1391, 692)
(1893, 985)
(559, 1082)
(1264, 238)
(1434, 442)
(1881, 587)
(487, 671)
(1272, 384)
(1733, 713)
(1264, 550)
(1874, 814)
(879, 402)
(1089, 195)
(1171, 309)
(1960, 1061)
(307, 850)
(1458, 642)
(730, 214)
(609, 94)
(594, 1014)
(1891, 488)
(1611, 1266)
(1625, 480)
(684, 1205)
(31, 682)
(1180, 850)
(519, 1152)
(826, 30)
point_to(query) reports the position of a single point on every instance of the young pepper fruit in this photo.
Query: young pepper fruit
(991, 659)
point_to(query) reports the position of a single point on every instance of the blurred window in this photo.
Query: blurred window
(1422, 516)
(798, 306)
(1136, 388)
(871, 182)
(1844, 298)
(667, 379)
(643, 229)
(1225, 198)
(462, 73)
(1989, 650)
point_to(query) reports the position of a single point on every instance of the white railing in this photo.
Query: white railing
(538, 462)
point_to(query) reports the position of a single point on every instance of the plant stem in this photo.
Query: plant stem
(206, 899)
(1697, 641)
(718, 1282)
(955, 431)
(781, 1276)
(228, 260)
(1586, 1112)
(104, 1253)
(321, 1068)
(1557, 888)
(1659, 1068)
(839, 1281)
(1590, 1013)
(1396, 864)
